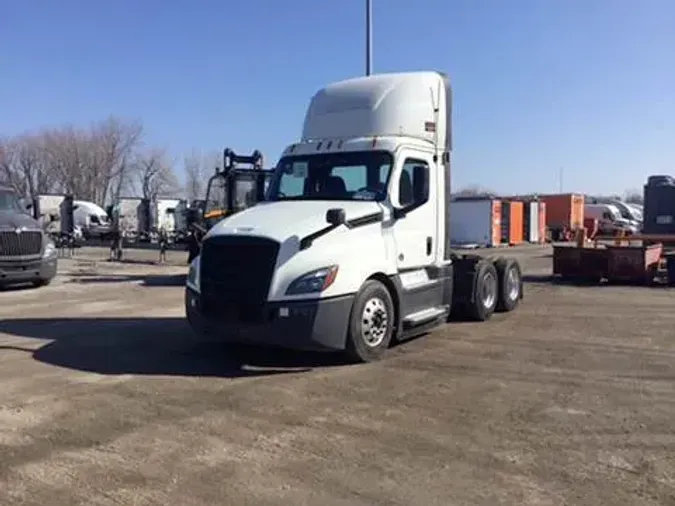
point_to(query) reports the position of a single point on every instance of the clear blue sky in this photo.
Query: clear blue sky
(587, 85)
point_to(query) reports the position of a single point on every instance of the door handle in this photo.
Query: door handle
(429, 245)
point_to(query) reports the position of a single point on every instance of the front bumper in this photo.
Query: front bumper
(319, 325)
(25, 271)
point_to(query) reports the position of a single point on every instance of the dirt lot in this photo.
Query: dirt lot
(104, 400)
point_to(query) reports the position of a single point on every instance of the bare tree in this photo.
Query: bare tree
(473, 191)
(633, 197)
(24, 165)
(94, 163)
(155, 174)
(98, 163)
(198, 169)
(7, 175)
(114, 143)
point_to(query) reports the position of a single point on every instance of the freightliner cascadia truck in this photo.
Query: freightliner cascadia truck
(351, 249)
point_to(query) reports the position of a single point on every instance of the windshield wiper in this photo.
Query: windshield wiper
(335, 218)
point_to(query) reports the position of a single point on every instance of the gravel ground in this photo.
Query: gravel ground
(104, 400)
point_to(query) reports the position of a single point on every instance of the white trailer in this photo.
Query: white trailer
(129, 215)
(165, 213)
(50, 206)
(351, 250)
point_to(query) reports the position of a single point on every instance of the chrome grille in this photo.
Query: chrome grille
(14, 244)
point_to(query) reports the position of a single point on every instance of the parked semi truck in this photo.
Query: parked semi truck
(351, 249)
(27, 255)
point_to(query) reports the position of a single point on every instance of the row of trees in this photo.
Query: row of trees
(111, 159)
(108, 160)
(630, 196)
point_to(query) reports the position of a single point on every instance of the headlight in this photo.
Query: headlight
(50, 249)
(193, 275)
(314, 281)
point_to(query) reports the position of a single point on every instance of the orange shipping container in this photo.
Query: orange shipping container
(496, 221)
(512, 222)
(564, 210)
(542, 221)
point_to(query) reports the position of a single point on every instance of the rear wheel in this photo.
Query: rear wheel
(510, 284)
(486, 292)
(371, 323)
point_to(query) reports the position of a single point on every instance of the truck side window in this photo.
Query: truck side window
(407, 183)
(606, 216)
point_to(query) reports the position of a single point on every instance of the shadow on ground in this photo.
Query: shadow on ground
(592, 283)
(153, 346)
(145, 279)
(18, 287)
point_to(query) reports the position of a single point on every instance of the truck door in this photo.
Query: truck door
(416, 233)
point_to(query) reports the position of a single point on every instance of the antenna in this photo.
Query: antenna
(369, 37)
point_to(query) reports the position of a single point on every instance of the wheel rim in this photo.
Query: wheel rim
(489, 290)
(374, 322)
(513, 284)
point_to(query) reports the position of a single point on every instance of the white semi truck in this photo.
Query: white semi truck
(351, 249)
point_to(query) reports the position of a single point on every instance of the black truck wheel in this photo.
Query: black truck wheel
(371, 323)
(486, 292)
(510, 279)
(42, 282)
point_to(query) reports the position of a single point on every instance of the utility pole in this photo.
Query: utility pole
(560, 180)
(369, 37)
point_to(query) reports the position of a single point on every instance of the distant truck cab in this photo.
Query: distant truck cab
(27, 255)
(351, 248)
(610, 219)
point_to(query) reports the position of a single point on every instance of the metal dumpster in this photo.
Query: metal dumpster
(633, 264)
(581, 263)
(670, 265)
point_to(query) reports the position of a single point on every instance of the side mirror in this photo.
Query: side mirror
(336, 217)
(420, 184)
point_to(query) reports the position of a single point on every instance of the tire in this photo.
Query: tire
(371, 323)
(510, 279)
(486, 292)
(202, 332)
(42, 282)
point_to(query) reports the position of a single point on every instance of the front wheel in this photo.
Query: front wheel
(42, 282)
(371, 323)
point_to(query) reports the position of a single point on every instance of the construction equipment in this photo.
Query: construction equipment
(240, 184)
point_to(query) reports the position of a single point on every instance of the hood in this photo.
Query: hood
(624, 223)
(281, 220)
(14, 220)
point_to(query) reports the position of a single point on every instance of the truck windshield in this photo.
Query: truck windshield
(246, 193)
(359, 175)
(9, 201)
(216, 194)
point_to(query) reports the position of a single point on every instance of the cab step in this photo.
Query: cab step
(425, 316)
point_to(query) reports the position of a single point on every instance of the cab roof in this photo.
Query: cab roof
(409, 104)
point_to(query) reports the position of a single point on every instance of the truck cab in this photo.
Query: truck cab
(27, 255)
(610, 219)
(351, 248)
